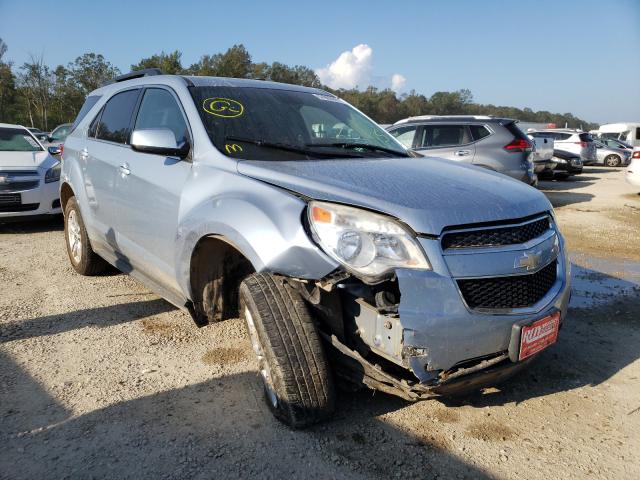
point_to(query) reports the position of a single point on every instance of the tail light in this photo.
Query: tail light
(519, 145)
(582, 144)
(636, 154)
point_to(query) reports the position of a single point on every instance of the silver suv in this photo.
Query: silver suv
(496, 144)
(569, 140)
(349, 259)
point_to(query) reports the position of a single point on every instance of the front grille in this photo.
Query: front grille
(496, 236)
(14, 180)
(25, 207)
(517, 291)
(17, 186)
(10, 199)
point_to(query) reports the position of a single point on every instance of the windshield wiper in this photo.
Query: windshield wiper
(287, 147)
(366, 146)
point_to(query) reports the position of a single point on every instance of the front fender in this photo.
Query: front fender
(262, 221)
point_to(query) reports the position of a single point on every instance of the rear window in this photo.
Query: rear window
(479, 131)
(585, 137)
(516, 132)
(86, 106)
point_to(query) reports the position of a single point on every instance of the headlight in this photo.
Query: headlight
(369, 244)
(53, 174)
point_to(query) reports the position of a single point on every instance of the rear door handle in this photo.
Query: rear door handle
(462, 153)
(84, 154)
(124, 169)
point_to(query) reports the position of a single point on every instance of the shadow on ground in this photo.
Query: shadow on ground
(54, 223)
(98, 317)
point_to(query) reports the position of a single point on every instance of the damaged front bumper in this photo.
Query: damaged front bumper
(443, 344)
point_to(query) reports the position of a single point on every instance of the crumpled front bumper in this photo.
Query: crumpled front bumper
(440, 332)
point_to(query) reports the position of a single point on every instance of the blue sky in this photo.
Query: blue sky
(578, 56)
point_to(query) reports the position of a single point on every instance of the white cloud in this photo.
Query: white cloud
(397, 81)
(353, 68)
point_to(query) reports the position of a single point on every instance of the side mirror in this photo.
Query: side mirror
(159, 141)
(49, 139)
(55, 150)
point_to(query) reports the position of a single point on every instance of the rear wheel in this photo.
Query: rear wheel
(612, 161)
(293, 368)
(82, 257)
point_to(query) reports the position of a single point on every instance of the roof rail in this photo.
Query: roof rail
(445, 117)
(146, 72)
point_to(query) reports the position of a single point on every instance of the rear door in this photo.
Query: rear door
(106, 150)
(150, 191)
(450, 141)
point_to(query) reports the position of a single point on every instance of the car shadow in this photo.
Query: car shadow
(598, 339)
(54, 223)
(97, 317)
(220, 428)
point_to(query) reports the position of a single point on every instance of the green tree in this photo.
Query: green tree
(8, 92)
(169, 63)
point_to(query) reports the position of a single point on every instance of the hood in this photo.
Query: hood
(427, 194)
(28, 160)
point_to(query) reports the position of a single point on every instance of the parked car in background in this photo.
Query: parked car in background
(567, 164)
(633, 170)
(493, 143)
(611, 156)
(614, 143)
(59, 134)
(627, 132)
(542, 155)
(39, 134)
(569, 140)
(419, 277)
(29, 175)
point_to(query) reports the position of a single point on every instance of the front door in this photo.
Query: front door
(151, 188)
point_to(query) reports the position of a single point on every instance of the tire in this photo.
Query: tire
(295, 373)
(612, 161)
(82, 257)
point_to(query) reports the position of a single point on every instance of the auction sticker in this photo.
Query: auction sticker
(539, 335)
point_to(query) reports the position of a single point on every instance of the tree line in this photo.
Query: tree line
(35, 94)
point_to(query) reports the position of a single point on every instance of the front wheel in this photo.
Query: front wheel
(293, 368)
(82, 257)
(612, 161)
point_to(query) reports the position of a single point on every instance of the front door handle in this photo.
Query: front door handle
(84, 154)
(463, 153)
(124, 169)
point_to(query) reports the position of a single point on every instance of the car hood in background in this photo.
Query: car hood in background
(427, 194)
(28, 160)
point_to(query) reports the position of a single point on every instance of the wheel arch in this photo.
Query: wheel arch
(217, 266)
(66, 192)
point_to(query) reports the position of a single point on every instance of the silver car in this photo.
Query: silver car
(492, 143)
(611, 156)
(346, 256)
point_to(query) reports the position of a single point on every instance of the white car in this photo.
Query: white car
(569, 140)
(29, 175)
(633, 170)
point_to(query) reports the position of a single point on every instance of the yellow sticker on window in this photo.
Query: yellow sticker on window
(223, 107)
(232, 147)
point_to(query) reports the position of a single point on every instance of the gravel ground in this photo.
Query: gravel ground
(99, 378)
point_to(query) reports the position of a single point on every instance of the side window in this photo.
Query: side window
(438, 136)
(116, 117)
(563, 136)
(86, 106)
(93, 126)
(160, 110)
(479, 131)
(405, 135)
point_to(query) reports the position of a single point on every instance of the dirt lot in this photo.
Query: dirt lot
(99, 378)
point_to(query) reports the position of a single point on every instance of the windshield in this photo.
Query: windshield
(17, 140)
(270, 124)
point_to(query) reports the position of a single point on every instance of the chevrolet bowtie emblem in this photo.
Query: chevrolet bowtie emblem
(528, 260)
